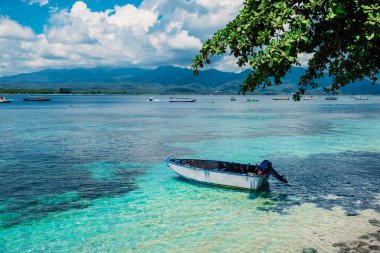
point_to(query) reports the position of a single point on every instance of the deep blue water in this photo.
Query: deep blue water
(61, 160)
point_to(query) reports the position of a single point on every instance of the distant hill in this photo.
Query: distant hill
(166, 79)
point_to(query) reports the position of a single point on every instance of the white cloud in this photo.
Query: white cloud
(179, 40)
(134, 18)
(304, 58)
(13, 56)
(158, 32)
(40, 2)
(228, 63)
(10, 29)
(53, 9)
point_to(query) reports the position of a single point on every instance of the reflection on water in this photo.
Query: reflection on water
(85, 173)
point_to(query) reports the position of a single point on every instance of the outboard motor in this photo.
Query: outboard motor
(265, 167)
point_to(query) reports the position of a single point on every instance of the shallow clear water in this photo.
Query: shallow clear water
(86, 174)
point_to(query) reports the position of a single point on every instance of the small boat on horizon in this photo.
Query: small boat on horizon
(360, 98)
(177, 99)
(309, 97)
(252, 100)
(4, 100)
(281, 98)
(233, 99)
(153, 99)
(331, 98)
(36, 99)
(231, 174)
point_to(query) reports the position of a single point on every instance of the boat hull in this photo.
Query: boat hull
(361, 98)
(188, 101)
(181, 100)
(36, 100)
(218, 177)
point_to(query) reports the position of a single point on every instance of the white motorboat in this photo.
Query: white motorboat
(153, 99)
(4, 100)
(237, 175)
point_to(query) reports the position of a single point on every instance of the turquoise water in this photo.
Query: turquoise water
(86, 174)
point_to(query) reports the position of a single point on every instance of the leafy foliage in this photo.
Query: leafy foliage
(342, 37)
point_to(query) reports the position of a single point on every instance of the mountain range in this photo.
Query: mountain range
(166, 79)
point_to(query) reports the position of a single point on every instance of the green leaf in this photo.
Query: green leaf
(343, 37)
(370, 37)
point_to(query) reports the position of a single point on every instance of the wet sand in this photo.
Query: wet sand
(369, 242)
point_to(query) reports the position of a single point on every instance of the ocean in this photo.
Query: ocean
(85, 173)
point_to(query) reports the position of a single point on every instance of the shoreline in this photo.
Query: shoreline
(51, 91)
(177, 94)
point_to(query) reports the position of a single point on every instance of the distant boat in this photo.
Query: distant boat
(233, 99)
(252, 100)
(361, 98)
(176, 99)
(152, 99)
(281, 98)
(229, 174)
(36, 99)
(331, 98)
(4, 100)
(309, 97)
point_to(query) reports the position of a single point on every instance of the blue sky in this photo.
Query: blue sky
(41, 34)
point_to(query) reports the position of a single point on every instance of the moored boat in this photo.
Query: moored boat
(4, 100)
(177, 99)
(233, 99)
(252, 100)
(36, 99)
(231, 174)
(361, 98)
(281, 98)
(331, 98)
(153, 99)
(309, 97)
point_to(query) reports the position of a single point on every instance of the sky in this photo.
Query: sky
(42, 34)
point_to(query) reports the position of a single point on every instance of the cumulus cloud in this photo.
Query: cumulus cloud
(10, 29)
(158, 32)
